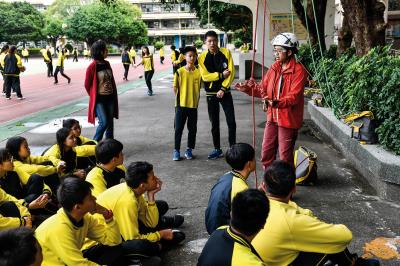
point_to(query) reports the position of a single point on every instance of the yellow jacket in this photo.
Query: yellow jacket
(12, 222)
(101, 179)
(161, 52)
(61, 240)
(291, 229)
(132, 52)
(128, 210)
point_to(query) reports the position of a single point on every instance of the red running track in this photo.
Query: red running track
(40, 93)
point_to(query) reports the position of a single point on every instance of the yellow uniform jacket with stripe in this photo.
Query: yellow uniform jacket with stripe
(225, 248)
(12, 222)
(61, 239)
(219, 205)
(11, 64)
(291, 229)
(102, 179)
(148, 63)
(188, 87)
(128, 209)
(212, 66)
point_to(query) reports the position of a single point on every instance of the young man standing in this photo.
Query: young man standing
(63, 234)
(218, 71)
(12, 68)
(283, 92)
(231, 246)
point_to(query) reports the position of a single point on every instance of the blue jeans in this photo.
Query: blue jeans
(105, 113)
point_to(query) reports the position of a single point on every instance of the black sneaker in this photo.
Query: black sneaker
(179, 236)
(172, 221)
(367, 262)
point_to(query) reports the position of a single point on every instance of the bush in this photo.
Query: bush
(237, 43)
(199, 44)
(158, 45)
(34, 51)
(368, 83)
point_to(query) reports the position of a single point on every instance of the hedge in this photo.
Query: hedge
(368, 83)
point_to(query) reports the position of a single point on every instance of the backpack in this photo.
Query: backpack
(305, 162)
(363, 127)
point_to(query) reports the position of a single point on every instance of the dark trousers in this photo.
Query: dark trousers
(148, 75)
(61, 70)
(104, 255)
(4, 82)
(162, 59)
(213, 113)
(126, 67)
(53, 181)
(344, 258)
(181, 115)
(75, 59)
(9, 209)
(105, 113)
(174, 69)
(134, 59)
(49, 69)
(12, 82)
(26, 59)
(34, 188)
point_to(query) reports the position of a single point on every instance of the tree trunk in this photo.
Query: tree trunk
(345, 37)
(366, 22)
(320, 10)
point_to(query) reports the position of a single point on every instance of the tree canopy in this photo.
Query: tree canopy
(20, 22)
(62, 9)
(115, 22)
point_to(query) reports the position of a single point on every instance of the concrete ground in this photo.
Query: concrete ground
(145, 128)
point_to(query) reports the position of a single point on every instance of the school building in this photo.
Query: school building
(173, 24)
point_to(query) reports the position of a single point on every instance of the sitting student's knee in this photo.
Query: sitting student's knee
(162, 207)
(9, 209)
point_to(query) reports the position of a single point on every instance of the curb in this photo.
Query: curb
(379, 167)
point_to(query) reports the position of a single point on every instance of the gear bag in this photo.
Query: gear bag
(305, 162)
(363, 127)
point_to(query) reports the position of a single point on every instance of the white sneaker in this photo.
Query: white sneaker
(21, 98)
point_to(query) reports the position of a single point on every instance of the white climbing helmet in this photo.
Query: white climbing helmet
(286, 39)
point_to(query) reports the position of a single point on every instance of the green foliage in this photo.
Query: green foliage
(20, 21)
(53, 29)
(368, 83)
(62, 9)
(69, 47)
(34, 51)
(158, 45)
(199, 44)
(243, 35)
(237, 43)
(117, 22)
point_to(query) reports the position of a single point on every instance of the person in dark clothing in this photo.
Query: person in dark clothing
(75, 54)
(218, 72)
(126, 61)
(12, 68)
(3, 53)
(231, 246)
(48, 59)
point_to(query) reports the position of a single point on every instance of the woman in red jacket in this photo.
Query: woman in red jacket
(283, 92)
(100, 85)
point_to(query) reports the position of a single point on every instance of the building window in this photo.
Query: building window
(394, 5)
(147, 8)
(184, 8)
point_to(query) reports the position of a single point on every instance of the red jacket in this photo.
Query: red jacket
(91, 89)
(289, 111)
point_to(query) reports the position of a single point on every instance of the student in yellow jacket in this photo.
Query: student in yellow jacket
(231, 246)
(162, 55)
(12, 67)
(241, 158)
(63, 234)
(148, 65)
(293, 235)
(82, 162)
(3, 53)
(66, 152)
(32, 196)
(12, 212)
(132, 53)
(60, 65)
(218, 72)
(174, 57)
(109, 170)
(138, 218)
(25, 55)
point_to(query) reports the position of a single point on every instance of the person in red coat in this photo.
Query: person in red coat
(103, 97)
(283, 92)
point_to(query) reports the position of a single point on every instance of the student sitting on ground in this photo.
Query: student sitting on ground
(82, 162)
(19, 247)
(32, 195)
(66, 150)
(13, 213)
(231, 246)
(293, 235)
(63, 234)
(187, 95)
(109, 170)
(33, 170)
(138, 219)
(241, 157)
